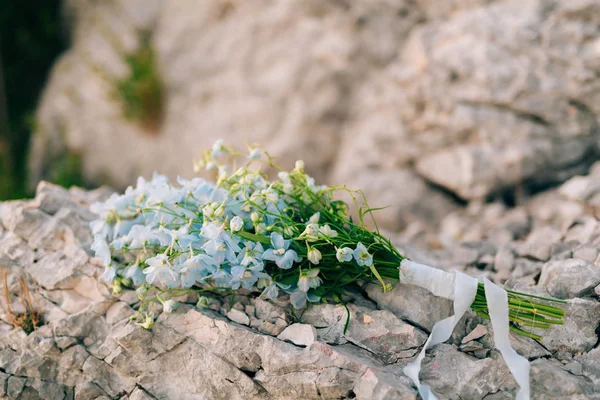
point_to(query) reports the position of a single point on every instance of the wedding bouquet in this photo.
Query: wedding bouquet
(273, 237)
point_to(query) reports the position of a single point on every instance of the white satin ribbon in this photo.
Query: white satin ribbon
(462, 289)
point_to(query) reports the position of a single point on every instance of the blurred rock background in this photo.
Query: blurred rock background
(425, 106)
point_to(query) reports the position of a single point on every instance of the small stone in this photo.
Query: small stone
(249, 310)
(586, 253)
(574, 367)
(539, 243)
(238, 316)
(367, 319)
(15, 385)
(299, 334)
(479, 331)
(62, 342)
(88, 341)
(471, 347)
(570, 278)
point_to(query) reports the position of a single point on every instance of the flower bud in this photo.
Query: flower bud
(314, 256)
(169, 306)
(236, 224)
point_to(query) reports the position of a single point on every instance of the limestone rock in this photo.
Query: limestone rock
(299, 334)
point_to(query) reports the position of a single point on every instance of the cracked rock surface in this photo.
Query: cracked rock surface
(249, 348)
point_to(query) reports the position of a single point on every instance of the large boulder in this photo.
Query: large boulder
(389, 96)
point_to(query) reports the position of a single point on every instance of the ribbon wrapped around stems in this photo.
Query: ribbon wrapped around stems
(462, 289)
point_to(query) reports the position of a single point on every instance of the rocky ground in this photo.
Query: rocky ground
(248, 348)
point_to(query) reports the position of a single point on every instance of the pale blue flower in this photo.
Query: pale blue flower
(135, 273)
(246, 277)
(252, 254)
(298, 298)
(221, 278)
(271, 288)
(344, 254)
(102, 250)
(196, 269)
(362, 256)
(110, 273)
(160, 270)
(219, 245)
(283, 257)
(254, 154)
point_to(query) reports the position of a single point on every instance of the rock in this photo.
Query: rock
(330, 321)
(577, 335)
(299, 334)
(412, 303)
(377, 385)
(474, 107)
(479, 331)
(465, 376)
(570, 278)
(550, 380)
(89, 349)
(539, 243)
(238, 316)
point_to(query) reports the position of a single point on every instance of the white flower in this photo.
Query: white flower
(254, 154)
(218, 148)
(314, 219)
(260, 228)
(299, 165)
(309, 279)
(311, 233)
(236, 224)
(327, 231)
(255, 217)
(160, 269)
(362, 256)
(344, 254)
(314, 256)
(169, 306)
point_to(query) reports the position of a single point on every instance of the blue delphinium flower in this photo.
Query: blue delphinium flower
(102, 250)
(252, 254)
(271, 288)
(220, 245)
(246, 277)
(110, 273)
(283, 257)
(196, 269)
(299, 297)
(362, 256)
(135, 273)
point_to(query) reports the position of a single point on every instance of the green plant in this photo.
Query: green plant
(141, 91)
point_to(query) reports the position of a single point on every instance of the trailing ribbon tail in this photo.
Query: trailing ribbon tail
(462, 289)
